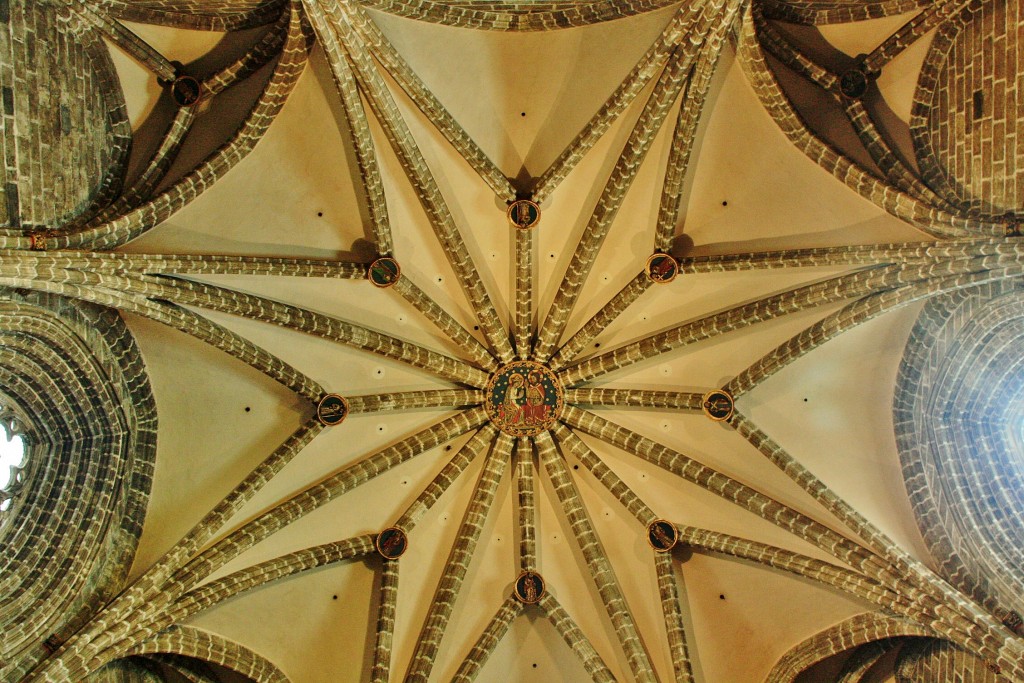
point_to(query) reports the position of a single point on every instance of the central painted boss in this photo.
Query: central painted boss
(524, 398)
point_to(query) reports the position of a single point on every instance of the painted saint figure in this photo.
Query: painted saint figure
(515, 398)
(535, 409)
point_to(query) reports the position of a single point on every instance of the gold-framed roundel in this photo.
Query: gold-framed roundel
(384, 272)
(523, 398)
(661, 268)
(662, 535)
(718, 405)
(529, 588)
(332, 410)
(391, 543)
(523, 214)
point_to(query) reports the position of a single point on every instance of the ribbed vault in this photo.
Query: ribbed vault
(519, 391)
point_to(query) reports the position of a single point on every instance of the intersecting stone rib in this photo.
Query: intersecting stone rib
(721, 485)
(522, 328)
(446, 477)
(431, 107)
(575, 639)
(489, 639)
(127, 40)
(574, 445)
(666, 90)
(257, 56)
(415, 166)
(458, 562)
(411, 400)
(444, 321)
(636, 398)
(600, 320)
(672, 610)
(597, 560)
(920, 24)
(383, 643)
(680, 26)
(527, 511)
(366, 155)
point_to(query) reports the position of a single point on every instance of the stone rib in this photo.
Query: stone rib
(446, 477)
(527, 517)
(445, 322)
(384, 640)
(141, 51)
(425, 100)
(138, 221)
(685, 132)
(412, 400)
(574, 445)
(522, 330)
(721, 485)
(673, 613)
(268, 47)
(575, 639)
(681, 25)
(935, 14)
(458, 562)
(666, 90)
(422, 180)
(489, 639)
(597, 560)
(600, 320)
(355, 114)
(636, 398)
(855, 314)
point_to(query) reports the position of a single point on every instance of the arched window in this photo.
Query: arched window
(12, 459)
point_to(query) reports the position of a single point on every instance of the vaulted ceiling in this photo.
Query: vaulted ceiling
(381, 340)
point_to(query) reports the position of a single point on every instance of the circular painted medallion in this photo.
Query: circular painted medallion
(392, 543)
(523, 214)
(332, 410)
(524, 398)
(186, 90)
(718, 405)
(384, 272)
(529, 588)
(662, 535)
(854, 83)
(662, 268)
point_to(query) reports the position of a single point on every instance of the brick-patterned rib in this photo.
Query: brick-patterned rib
(526, 510)
(415, 166)
(140, 50)
(597, 560)
(204, 15)
(821, 293)
(873, 254)
(685, 131)
(192, 670)
(672, 610)
(783, 50)
(362, 140)
(575, 639)
(386, 609)
(410, 400)
(929, 219)
(574, 445)
(517, 16)
(522, 330)
(600, 320)
(116, 635)
(315, 324)
(125, 228)
(208, 647)
(455, 569)
(147, 588)
(855, 631)
(431, 107)
(957, 618)
(681, 25)
(175, 317)
(819, 12)
(488, 640)
(444, 321)
(721, 485)
(446, 477)
(935, 14)
(268, 47)
(863, 659)
(642, 136)
(636, 398)
(254, 576)
(858, 313)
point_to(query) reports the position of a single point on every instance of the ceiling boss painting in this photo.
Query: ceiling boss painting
(381, 340)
